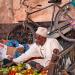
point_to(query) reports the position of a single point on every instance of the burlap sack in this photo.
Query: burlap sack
(11, 51)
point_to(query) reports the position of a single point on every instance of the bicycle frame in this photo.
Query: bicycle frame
(52, 19)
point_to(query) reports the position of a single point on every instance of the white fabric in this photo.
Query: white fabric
(42, 31)
(3, 50)
(44, 51)
(20, 46)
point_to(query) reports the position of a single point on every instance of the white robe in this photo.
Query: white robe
(44, 51)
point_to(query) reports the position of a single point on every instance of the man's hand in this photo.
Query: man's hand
(7, 63)
(45, 68)
(55, 56)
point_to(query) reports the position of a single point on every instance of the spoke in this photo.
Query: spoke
(69, 16)
(64, 22)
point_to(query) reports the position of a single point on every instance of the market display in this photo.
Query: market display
(20, 69)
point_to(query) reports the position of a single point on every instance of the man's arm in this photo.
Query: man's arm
(24, 57)
(56, 45)
(32, 52)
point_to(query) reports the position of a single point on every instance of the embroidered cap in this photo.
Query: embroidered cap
(42, 31)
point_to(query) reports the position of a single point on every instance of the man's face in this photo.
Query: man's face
(40, 40)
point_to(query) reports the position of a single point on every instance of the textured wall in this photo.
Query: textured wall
(6, 14)
(44, 15)
(13, 11)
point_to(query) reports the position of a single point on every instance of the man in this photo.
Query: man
(43, 47)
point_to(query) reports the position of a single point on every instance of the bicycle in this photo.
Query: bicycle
(62, 9)
(23, 30)
(67, 15)
(54, 22)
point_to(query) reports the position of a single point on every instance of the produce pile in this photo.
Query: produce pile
(20, 69)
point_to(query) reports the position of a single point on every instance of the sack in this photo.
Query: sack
(11, 51)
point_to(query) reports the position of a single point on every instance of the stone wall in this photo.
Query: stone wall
(13, 10)
(6, 13)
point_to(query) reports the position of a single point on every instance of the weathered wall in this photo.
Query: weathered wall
(13, 11)
(6, 14)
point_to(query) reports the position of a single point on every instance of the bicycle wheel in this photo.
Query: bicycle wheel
(29, 31)
(63, 22)
(23, 32)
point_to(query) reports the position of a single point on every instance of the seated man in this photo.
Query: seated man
(43, 47)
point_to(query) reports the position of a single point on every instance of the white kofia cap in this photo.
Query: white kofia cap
(42, 31)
